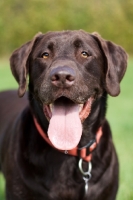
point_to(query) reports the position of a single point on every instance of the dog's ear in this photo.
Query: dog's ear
(18, 63)
(116, 61)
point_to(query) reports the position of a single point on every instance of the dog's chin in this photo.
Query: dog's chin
(83, 109)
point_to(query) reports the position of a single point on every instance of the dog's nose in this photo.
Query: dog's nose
(62, 76)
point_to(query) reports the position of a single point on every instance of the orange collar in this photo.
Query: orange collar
(84, 152)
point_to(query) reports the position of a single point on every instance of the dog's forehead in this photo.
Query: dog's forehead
(68, 37)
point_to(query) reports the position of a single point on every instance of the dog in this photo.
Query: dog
(55, 142)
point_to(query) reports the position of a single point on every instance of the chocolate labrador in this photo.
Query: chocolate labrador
(57, 145)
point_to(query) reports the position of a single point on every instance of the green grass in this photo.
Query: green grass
(6, 79)
(120, 115)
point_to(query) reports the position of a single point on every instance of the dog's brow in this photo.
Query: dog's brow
(78, 43)
(50, 46)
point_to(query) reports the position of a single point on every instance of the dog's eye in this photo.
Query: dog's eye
(45, 55)
(84, 54)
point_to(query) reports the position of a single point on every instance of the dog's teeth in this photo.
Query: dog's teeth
(51, 107)
(80, 107)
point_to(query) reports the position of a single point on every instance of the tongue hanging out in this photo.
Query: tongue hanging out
(65, 128)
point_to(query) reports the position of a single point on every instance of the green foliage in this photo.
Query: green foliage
(120, 112)
(21, 20)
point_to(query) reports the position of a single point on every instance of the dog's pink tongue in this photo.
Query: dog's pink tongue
(65, 127)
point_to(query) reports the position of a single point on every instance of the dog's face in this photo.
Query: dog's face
(67, 64)
(68, 71)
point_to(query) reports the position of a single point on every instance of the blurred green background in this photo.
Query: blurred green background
(21, 20)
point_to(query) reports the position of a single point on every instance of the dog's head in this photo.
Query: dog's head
(68, 70)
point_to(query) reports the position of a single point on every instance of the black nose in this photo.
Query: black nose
(62, 77)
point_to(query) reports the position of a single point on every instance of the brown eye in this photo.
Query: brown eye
(84, 54)
(45, 55)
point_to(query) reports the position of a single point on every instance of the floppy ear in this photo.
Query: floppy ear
(116, 61)
(18, 62)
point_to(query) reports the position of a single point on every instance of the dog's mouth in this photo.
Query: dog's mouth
(66, 117)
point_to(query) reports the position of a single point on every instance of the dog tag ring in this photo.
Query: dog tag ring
(86, 175)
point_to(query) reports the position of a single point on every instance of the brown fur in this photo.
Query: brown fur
(34, 170)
